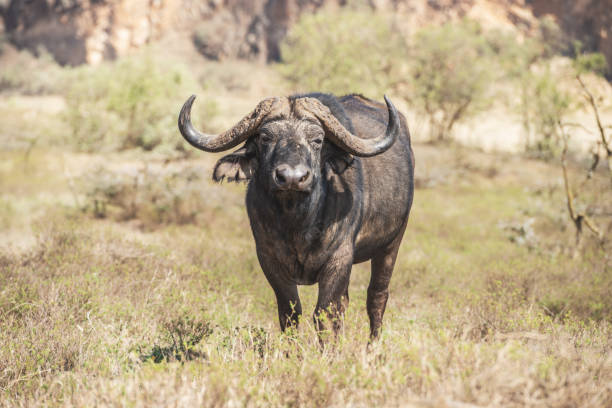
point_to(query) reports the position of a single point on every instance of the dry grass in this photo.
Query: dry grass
(98, 312)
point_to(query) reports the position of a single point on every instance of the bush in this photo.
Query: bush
(131, 103)
(182, 334)
(547, 97)
(152, 196)
(348, 51)
(591, 62)
(451, 69)
(446, 72)
(544, 99)
(24, 73)
(546, 105)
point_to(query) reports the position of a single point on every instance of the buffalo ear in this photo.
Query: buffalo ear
(237, 166)
(339, 161)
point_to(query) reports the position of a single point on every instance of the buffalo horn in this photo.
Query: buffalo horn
(228, 139)
(352, 144)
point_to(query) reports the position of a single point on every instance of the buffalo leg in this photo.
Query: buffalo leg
(289, 306)
(378, 290)
(287, 297)
(333, 300)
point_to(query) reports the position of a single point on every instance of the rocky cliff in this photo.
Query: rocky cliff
(78, 31)
(589, 21)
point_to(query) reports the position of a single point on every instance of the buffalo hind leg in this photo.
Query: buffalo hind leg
(378, 290)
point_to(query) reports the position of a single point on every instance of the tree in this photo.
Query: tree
(345, 51)
(551, 104)
(450, 70)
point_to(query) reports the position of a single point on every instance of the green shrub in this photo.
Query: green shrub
(131, 103)
(153, 196)
(451, 68)
(546, 106)
(182, 335)
(446, 72)
(551, 37)
(545, 97)
(347, 51)
(591, 62)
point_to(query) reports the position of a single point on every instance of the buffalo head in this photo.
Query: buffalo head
(289, 144)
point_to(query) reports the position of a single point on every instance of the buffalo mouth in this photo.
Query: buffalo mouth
(297, 191)
(291, 200)
(296, 195)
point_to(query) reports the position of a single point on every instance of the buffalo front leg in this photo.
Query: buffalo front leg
(333, 299)
(289, 306)
(378, 290)
(287, 298)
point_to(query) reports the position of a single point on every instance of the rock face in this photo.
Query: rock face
(589, 21)
(89, 31)
(251, 29)
(79, 31)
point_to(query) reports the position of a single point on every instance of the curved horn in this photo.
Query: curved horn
(228, 139)
(352, 144)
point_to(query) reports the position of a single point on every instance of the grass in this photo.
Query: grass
(102, 312)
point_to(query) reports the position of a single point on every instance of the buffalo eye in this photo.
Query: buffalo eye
(318, 141)
(265, 137)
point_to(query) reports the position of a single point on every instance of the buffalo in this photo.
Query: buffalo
(330, 184)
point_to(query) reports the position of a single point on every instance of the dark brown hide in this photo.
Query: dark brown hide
(344, 209)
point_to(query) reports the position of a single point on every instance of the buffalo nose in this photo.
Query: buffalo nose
(292, 178)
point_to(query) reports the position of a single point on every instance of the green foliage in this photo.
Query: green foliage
(545, 97)
(451, 70)
(591, 62)
(546, 106)
(182, 335)
(542, 102)
(446, 72)
(131, 103)
(19, 130)
(550, 37)
(528, 70)
(347, 51)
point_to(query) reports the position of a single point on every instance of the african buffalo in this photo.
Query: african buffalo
(330, 184)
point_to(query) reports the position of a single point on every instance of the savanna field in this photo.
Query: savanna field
(129, 278)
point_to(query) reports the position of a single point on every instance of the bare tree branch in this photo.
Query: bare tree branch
(602, 133)
(571, 124)
(457, 114)
(578, 218)
(595, 157)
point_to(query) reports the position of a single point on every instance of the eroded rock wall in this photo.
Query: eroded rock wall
(589, 21)
(78, 31)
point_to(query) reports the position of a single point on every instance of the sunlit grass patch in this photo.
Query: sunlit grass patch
(28, 123)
